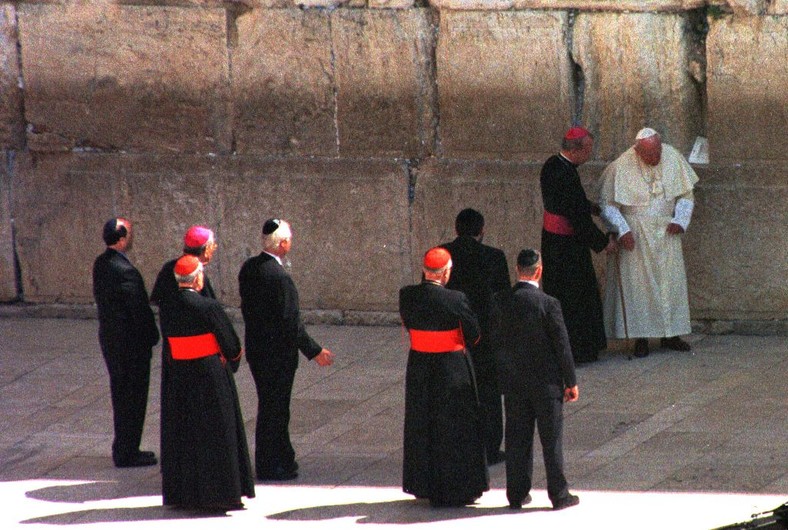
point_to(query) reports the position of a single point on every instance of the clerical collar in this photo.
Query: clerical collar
(277, 258)
(532, 282)
(434, 282)
(565, 159)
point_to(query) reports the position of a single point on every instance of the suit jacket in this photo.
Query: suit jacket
(269, 304)
(126, 321)
(479, 271)
(532, 345)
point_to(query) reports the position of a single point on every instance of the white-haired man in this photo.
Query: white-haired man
(274, 335)
(647, 199)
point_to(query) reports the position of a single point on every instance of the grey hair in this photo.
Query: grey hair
(189, 278)
(271, 241)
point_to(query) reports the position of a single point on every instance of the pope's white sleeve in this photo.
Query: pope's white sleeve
(683, 213)
(612, 216)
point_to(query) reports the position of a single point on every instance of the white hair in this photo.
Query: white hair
(272, 240)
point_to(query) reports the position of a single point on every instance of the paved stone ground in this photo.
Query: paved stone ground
(674, 441)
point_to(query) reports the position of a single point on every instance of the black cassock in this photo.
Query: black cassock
(164, 294)
(568, 270)
(208, 458)
(444, 457)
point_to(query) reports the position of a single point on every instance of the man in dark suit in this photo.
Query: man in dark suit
(537, 374)
(127, 332)
(274, 335)
(479, 271)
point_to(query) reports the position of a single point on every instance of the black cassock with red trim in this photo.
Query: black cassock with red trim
(444, 458)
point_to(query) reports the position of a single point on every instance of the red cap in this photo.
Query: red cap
(197, 236)
(186, 265)
(436, 258)
(575, 133)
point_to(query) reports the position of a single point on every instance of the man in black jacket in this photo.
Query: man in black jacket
(274, 335)
(127, 333)
(480, 271)
(537, 375)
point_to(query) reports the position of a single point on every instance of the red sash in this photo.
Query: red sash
(436, 341)
(557, 224)
(193, 347)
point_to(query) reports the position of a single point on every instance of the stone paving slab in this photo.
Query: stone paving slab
(676, 440)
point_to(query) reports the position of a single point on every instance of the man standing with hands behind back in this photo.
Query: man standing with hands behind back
(274, 335)
(537, 374)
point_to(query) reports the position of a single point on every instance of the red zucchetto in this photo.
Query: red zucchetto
(436, 258)
(575, 133)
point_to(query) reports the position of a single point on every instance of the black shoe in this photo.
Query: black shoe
(496, 458)
(641, 348)
(141, 459)
(278, 474)
(566, 502)
(519, 505)
(675, 344)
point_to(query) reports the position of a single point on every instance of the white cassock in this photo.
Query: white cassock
(646, 199)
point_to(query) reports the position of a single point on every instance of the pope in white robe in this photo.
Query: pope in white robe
(646, 197)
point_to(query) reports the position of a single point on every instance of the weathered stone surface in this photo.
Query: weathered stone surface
(11, 120)
(385, 93)
(283, 83)
(735, 250)
(778, 7)
(634, 81)
(350, 224)
(747, 86)
(104, 76)
(504, 84)
(391, 4)
(586, 5)
(7, 268)
(325, 199)
(747, 7)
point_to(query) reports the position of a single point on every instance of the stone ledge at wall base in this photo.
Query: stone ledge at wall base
(336, 317)
(331, 317)
(633, 6)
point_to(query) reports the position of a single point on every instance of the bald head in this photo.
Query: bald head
(649, 149)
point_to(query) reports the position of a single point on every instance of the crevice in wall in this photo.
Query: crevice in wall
(577, 75)
(9, 169)
(433, 79)
(20, 85)
(334, 87)
(698, 28)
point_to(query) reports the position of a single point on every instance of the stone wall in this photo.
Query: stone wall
(369, 124)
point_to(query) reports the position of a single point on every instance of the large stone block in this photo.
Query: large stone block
(58, 209)
(586, 5)
(113, 77)
(747, 86)
(11, 119)
(778, 7)
(385, 91)
(283, 83)
(735, 250)
(7, 267)
(636, 72)
(504, 84)
(351, 247)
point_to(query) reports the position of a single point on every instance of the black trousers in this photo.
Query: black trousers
(523, 414)
(489, 393)
(273, 378)
(129, 380)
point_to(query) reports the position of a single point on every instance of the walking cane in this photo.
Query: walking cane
(623, 304)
